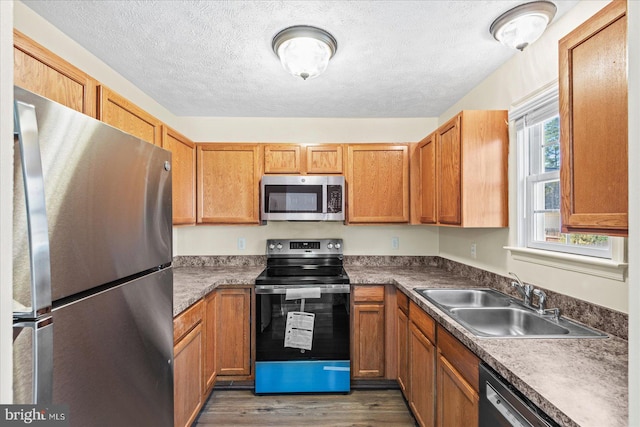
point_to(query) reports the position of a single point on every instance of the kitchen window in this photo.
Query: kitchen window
(538, 152)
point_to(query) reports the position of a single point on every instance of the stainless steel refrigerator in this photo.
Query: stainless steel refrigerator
(92, 272)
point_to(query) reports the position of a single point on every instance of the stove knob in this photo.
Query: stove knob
(338, 245)
(279, 246)
(272, 246)
(330, 246)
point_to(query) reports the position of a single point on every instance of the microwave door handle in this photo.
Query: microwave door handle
(26, 133)
(39, 369)
(325, 202)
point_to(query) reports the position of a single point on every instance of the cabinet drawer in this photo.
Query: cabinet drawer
(403, 302)
(186, 321)
(368, 294)
(465, 362)
(423, 321)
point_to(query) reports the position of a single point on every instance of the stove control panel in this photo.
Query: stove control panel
(304, 247)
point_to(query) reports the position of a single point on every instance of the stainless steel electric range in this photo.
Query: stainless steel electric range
(302, 319)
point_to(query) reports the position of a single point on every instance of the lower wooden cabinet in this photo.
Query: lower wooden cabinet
(457, 400)
(402, 334)
(443, 377)
(368, 332)
(188, 380)
(210, 333)
(233, 335)
(422, 360)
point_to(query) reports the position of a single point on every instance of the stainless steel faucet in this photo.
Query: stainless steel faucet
(542, 300)
(525, 290)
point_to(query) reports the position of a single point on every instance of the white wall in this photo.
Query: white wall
(522, 75)
(6, 198)
(358, 240)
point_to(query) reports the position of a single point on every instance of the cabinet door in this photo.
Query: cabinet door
(233, 334)
(449, 179)
(422, 360)
(284, 158)
(187, 377)
(403, 353)
(41, 71)
(210, 329)
(368, 341)
(593, 124)
(183, 175)
(457, 400)
(428, 195)
(378, 183)
(228, 177)
(324, 159)
(119, 112)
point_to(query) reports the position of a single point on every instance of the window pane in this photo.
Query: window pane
(547, 226)
(552, 195)
(551, 144)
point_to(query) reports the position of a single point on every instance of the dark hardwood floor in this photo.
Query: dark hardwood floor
(360, 408)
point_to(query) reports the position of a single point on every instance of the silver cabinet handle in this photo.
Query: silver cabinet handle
(26, 132)
(41, 363)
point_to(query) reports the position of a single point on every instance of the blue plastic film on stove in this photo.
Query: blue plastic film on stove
(303, 376)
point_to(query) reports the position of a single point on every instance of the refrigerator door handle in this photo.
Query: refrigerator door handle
(41, 360)
(26, 132)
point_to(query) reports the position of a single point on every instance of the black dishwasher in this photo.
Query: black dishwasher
(503, 406)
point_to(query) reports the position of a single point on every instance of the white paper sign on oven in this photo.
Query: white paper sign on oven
(299, 330)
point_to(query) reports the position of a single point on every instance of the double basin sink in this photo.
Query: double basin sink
(492, 314)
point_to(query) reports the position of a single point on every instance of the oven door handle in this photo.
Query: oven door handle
(282, 289)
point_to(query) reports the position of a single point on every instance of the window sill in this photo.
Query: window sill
(606, 268)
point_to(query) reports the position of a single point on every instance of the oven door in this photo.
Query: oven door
(325, 367)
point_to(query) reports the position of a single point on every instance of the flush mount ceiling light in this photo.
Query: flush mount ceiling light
(524, 24)
(304, 51)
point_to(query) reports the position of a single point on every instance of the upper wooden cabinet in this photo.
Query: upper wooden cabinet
(283, 158)
(378, 183)
(593, 124)
(228, 177)
(324, 159)
(463, 171)
(303, 159)
(119, 112)
(183, 175)
(428, 188)
(41, 71)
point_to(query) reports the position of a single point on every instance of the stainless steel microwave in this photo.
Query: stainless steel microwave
(302, 198)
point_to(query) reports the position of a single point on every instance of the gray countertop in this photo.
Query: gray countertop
(578, 382)
(192, 283)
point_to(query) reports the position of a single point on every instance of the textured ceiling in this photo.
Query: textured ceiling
(214, 58)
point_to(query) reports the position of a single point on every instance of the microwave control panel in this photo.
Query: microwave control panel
(334, 198)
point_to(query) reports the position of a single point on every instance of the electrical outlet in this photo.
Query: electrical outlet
(395, 243)
(242, 243)
(474, 251)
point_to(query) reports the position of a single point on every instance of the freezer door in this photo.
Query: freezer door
(113, 355)
(33, 361)
(108, 202)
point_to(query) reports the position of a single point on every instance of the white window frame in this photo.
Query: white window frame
(539, 108)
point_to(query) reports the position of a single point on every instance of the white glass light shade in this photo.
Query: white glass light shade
(304, 51)
(524, 24)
